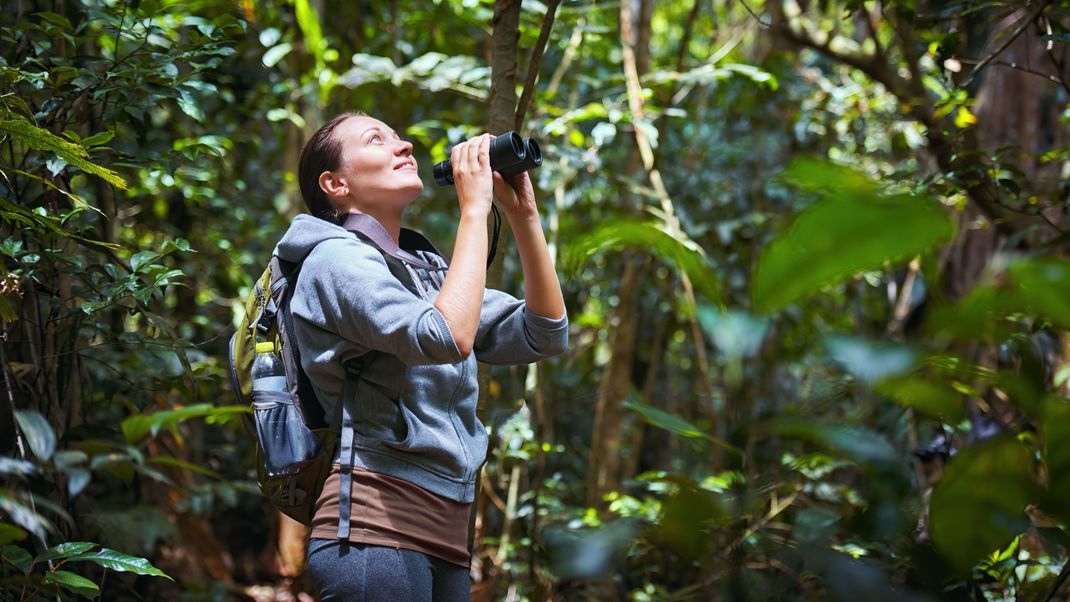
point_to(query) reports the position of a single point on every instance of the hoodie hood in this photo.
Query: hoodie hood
(304, 233)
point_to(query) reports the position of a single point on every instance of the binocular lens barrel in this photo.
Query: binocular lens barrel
(509, 155)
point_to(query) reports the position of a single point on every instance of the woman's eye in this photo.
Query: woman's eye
(376, 137)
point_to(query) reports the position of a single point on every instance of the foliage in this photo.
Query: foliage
(827, 326)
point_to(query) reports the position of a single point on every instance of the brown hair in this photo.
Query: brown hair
(322, 152)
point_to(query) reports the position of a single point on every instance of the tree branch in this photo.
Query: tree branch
(536, 60)
(1021, 27)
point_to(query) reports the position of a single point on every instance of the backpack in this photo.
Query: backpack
(295, 447)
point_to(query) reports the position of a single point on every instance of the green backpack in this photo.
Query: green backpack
(295, 447)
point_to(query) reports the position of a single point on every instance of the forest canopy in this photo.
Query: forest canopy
(814, 257)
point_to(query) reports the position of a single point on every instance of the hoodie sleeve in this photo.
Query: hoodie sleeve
(510, 334)
(346, 287)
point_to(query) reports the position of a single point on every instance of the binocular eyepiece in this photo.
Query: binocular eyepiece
(509, 155)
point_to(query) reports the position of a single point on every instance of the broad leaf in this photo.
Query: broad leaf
(73, 582)
(38, 433)
(653, 238)
(123, 563)
(979, 504)
(17, 556)
(870, 361)
(849, 229)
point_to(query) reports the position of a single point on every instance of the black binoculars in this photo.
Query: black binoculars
(509, 155)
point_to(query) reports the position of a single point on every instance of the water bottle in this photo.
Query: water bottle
(269, 374)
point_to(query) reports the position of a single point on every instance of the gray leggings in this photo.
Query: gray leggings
(357, 572)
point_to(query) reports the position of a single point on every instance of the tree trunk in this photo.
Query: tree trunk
(604, 465)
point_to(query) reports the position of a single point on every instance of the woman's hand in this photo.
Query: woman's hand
(472, 175)
(516, 196)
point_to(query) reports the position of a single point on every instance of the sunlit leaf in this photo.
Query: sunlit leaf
(64, 550)
(40, 139)
(123, 563)
(651, 237)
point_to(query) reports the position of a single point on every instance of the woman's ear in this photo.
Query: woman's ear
(333, 184)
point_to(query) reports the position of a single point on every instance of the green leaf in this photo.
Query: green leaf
(674, 424)
(116, 561)
(1043, 283)
(859, 444)
(685, 520)
(870, 361)
(737, 334)
(98, 139)
(10, 533)
(14, 466)
(979, 504)
(73, 582)
(276, 54)
(309, 22)
(652, 237)
(17, 556)
(38, 433)
(136, 427)
(846, 231)
(40, 139)
(65, 549)
(934, 398)
(24, 516)
(1055, 429)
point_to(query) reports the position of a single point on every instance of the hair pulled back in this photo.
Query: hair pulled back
(322, 152)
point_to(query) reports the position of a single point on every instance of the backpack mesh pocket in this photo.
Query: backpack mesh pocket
(294, 460)
(286, 444)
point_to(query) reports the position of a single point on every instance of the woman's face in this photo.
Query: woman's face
(377, 165)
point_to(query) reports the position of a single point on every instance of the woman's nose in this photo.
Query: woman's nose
(404, 147)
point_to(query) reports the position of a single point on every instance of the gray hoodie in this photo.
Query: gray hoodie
(415, 415)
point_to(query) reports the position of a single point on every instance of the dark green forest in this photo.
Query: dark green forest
(814, 255)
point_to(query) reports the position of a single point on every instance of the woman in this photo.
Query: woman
(415, 335)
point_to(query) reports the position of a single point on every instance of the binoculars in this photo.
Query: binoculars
(509, 155)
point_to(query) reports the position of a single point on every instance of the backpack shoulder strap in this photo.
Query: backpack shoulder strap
(371, 229)
(349, 399)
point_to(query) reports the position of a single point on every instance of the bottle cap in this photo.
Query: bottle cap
(265, 347)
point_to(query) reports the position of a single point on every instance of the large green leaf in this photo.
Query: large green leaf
(850, 228)
(652, 237)
(40, 139)
(979, 505)
(1056, 432)
(1018, 287)
(123, 563)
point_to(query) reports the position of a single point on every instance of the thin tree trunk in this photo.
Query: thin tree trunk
(616, 384)
(501, 114)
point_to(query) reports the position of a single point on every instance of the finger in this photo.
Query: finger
(465, 162)
(484, 150)
(455, 156)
